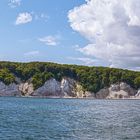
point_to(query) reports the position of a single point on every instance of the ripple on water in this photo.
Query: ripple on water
(69, 119)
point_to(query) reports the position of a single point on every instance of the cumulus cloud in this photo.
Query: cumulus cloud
(23, 18)
(112, 28)
(49, 40)
(14, 3)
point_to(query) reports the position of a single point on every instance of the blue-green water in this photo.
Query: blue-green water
(69, 119)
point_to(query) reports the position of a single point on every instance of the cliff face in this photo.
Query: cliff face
(68, 88)
(10, 90)
(138, 94)
(50, 88)
(117, 91)
(121, 90)
(26, 89)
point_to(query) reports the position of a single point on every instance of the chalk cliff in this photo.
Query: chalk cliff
(50, 88)
(26, 89)
(68, 88)
(9, 90)
(138, 94)
(116, 91)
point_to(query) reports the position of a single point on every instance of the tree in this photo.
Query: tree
(137, 82)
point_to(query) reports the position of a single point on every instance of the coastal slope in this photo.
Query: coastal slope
(44, 79)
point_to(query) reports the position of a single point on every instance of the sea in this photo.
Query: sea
(69, 119)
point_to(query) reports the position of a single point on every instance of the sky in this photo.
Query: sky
(83, 32)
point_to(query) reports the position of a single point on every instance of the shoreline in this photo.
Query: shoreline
(35, 97)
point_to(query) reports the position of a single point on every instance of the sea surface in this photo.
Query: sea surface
(69, 119)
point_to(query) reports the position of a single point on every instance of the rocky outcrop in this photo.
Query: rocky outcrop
(9, 90)
(50, 88)
(71, 88)
(138, 94)
(68, 88)
(116, 91)
(121, 90)
(102, 94)
(26, 89)
(88, 94)
(125, 87)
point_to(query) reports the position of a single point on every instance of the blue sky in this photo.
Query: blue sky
(22, 41)
(85, 32)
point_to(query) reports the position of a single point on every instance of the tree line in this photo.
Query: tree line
(91, 78)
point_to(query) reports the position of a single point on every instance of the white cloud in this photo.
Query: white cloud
(32, 53)
(49, 40)
(112, 28)
(85, 60)
(40, 16)
(23, 18)
(14, 3)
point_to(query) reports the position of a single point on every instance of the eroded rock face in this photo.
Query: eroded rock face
(68, 87)
(50, 88)
(116, 91)
(71, 88)
(122, 90)
(115, 87)
(138, 94)
(26, 88)
(125, 87)
(118, 95)
(88, 94)
(102, 94)
(9, 90)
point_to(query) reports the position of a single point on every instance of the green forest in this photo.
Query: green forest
(91, 78)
